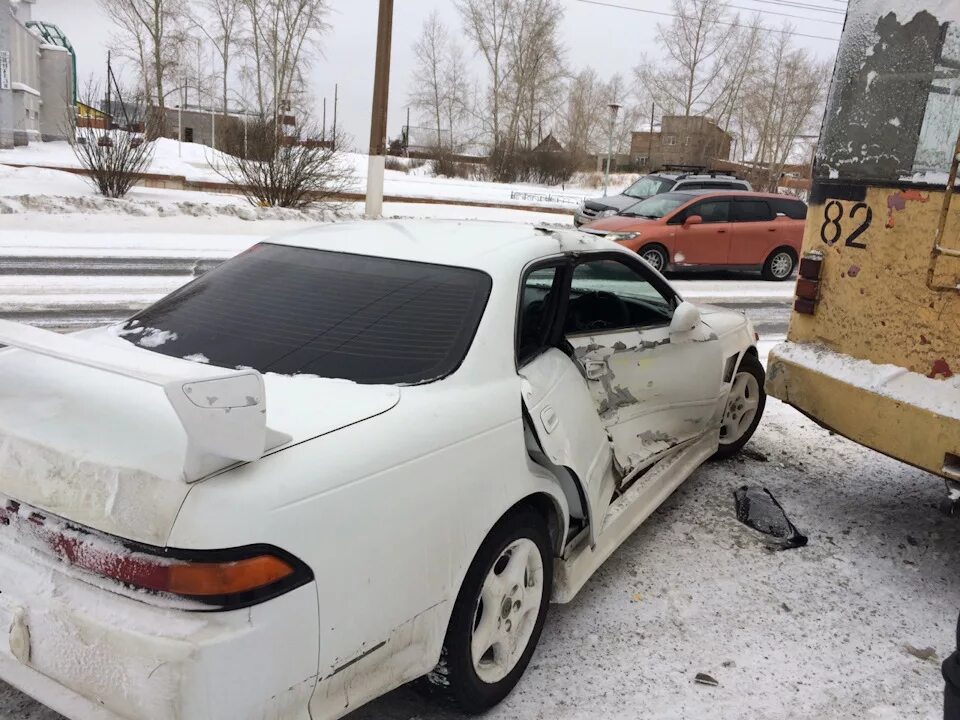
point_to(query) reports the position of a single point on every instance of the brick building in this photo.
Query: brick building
(680, 140)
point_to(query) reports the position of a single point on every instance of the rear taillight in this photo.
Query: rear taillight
(808, 283)
(222, 579)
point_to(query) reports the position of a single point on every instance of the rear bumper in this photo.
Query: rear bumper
(92, 654)
(899, 413)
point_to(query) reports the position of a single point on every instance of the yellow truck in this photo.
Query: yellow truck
(873, 350)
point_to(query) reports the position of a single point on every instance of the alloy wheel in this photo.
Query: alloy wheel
(507, 610)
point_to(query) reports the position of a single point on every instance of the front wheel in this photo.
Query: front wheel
(744, 408)
(656, 255)
(499, 613)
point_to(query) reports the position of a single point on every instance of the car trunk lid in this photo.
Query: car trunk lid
(109, 451)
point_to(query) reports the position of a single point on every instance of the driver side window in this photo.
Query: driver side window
(609, 295)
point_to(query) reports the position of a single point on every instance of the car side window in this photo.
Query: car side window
(712, 211)
(794, 209)
(534, 317)
(689, 186)
(751, 211)
(608, 295)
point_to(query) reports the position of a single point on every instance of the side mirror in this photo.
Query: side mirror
(685, 318)
(692, 220)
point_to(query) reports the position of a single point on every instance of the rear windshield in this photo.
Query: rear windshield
(292, 311)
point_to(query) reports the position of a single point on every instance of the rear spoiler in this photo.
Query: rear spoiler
(223, 412)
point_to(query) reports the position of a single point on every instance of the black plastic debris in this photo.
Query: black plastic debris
(758, 509)
(704, 679)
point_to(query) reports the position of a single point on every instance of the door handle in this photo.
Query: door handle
(771, 229)
(720, 232)
(548, 416)
(594, 369)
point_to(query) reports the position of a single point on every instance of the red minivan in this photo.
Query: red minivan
(712, 230)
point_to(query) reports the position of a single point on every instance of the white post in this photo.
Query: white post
(375, 169)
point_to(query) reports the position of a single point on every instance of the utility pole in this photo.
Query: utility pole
(614, 109)
(406, 135)
(324, 134)
(109, 103)
(333, 135)
(378, 120)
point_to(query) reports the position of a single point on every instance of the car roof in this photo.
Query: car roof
(699, 193)
(494, 247)
(698, 176)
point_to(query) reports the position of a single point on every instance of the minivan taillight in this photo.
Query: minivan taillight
(222, 579)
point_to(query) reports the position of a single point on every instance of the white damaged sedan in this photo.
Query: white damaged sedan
(345, 459)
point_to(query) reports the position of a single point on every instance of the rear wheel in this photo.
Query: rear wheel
(499, 613)
(656, 255)
(780, 264)
(744, 407)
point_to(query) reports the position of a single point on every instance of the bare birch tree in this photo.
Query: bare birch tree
(485, 23)
(696, 41)
(224, 20)
(154, 25)
(781, 103)
(284, 36)
(430, 90)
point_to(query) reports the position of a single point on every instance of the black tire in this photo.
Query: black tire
(775, 268)
(656, 255)
(751, 365)
(456, 673)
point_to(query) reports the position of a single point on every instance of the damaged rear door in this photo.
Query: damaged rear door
(652, 389)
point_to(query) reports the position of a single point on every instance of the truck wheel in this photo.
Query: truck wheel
(499, 613)
(744, 408)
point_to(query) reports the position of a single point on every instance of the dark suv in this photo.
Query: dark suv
(649, 185)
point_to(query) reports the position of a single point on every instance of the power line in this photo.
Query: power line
(771, 12)
(801, 6)
(601, 3)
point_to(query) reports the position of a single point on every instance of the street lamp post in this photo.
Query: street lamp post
(614, 109)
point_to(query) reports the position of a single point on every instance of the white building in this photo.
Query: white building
(36, 79)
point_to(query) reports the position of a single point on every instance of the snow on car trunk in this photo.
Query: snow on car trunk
(107, 452)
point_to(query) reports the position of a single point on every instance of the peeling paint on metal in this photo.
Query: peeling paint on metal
(940, 370)
(649, 437)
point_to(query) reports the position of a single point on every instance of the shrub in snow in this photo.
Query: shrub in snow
(114, 159)
(274, 169)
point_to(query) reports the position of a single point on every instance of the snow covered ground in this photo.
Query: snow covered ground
(198, 162)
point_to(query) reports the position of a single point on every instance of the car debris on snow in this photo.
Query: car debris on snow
(704, 679)
(758, 509)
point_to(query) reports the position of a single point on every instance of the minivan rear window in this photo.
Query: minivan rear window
(795, 209)
(292, 311)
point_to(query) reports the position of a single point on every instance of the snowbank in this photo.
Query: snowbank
(197, 162)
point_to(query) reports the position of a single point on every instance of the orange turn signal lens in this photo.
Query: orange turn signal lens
(230, 578)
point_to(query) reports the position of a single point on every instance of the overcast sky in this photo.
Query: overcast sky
(611, 39)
